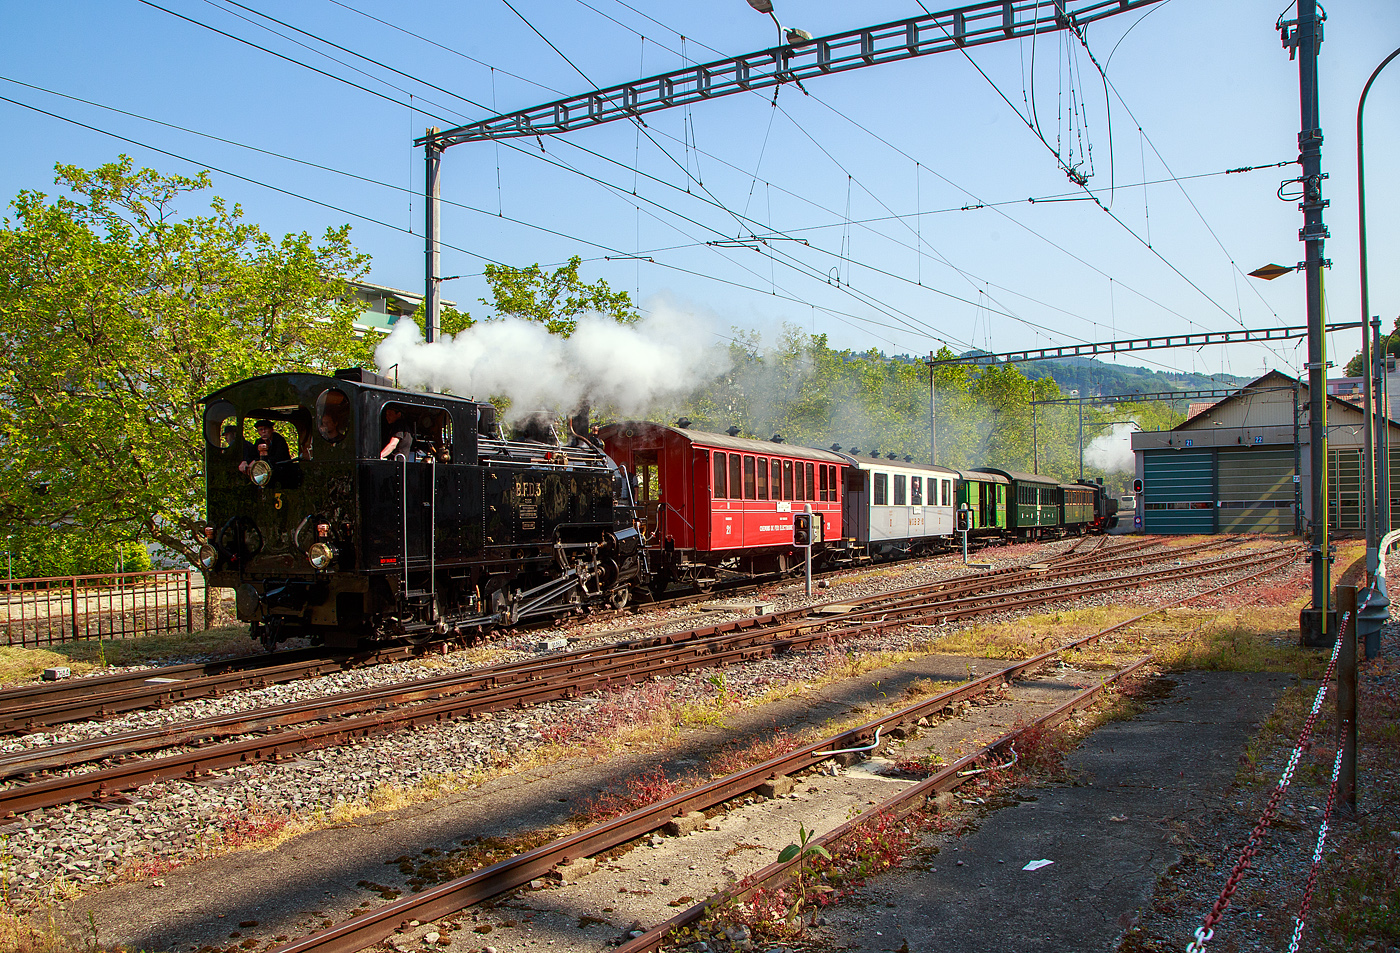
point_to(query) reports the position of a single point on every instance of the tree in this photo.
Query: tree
(555, 299)
(1390, 344)
(117, 315)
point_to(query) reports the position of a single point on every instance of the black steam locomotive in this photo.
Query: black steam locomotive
(346, 508)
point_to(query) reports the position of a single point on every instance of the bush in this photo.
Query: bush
(38, 552)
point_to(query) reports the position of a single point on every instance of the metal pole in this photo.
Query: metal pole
(1313, 235)
(1346, 701)
(1297, 469)
(1368, 463)
(932, 427)
(1379, 469)
(807, 550)
(1035, 443)
(432, 236)
(1081, 436)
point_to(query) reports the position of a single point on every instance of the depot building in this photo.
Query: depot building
(1243, 465)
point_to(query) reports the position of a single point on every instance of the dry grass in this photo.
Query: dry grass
(18, 665)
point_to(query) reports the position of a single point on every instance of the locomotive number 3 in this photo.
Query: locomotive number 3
(277, 498)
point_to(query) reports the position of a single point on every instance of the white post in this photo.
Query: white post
(807, 550)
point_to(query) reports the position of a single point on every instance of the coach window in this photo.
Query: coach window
(882, 489)
(720, 483)
(763, 478)
(811, 480)
(750, 482)
(823, 490)
(775, 483)
(947, 492)
(801, 483)
(787, 479)
(831, 482)
(900, 499)
(916, 491)
(736, 480)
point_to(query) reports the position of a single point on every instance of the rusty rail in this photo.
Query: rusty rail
(372, 926)
(502, 687)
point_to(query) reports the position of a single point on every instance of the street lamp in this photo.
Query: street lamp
(1376, 520)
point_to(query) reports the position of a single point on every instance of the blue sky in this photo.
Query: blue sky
(877, 169)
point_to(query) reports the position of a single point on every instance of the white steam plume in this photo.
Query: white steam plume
(627, 368)
(1112, 452)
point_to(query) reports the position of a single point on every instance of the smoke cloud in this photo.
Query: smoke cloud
(1112, 452)
(624, 368)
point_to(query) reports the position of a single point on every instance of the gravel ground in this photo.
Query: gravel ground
(53, 853)
(1261, 914)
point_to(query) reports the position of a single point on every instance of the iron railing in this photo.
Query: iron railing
(53, 609)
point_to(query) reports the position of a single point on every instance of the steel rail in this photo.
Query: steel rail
(898, 804)
(372, 926)
(29, 707)
(39, 707)
(661, 658)
(136, 742)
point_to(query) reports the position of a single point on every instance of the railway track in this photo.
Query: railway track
(452, 897)
(32, 707)
(290, 729)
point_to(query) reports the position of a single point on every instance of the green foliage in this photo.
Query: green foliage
(805, 852)
(43, 552)
(118, 315)
(1390, 344)
(555, 299)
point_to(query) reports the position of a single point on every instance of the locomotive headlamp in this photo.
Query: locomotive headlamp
(321, 554)
(260, 472)
(208, 557)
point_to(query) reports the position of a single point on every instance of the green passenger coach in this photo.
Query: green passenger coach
(985, 494)
(1034, 509)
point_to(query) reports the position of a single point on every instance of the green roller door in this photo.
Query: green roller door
(1178, 491)
(1344, 489)
(1256, 491)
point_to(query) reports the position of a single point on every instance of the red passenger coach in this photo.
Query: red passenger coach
(717, 505)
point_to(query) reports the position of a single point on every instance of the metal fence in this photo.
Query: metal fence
(55, 609)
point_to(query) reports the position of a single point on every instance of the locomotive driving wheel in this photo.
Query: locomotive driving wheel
(619, 597)
(267, 632)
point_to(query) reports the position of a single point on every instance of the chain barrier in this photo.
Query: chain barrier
(1206, 930)
(1301, 919)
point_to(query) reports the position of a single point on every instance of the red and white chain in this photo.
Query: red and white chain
(1303, 907)
(1207, 929)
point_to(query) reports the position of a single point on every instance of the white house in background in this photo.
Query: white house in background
(384, 305)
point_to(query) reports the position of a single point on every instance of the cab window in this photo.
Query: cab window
(332, 415)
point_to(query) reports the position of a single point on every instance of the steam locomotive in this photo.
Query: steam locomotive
(347, 509)
(401, 513)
